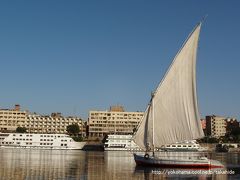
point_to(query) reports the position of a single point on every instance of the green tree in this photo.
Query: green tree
(236, 131)
(207, 139)
(235, 134)
(73, 129)
(78, 139)
(21, 130)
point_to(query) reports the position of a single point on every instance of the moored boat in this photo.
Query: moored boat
(221, 148)
(115, 142)
(191, 146)
(39, 141)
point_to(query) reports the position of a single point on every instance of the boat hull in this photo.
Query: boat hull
(77, 146)
(176, 163)
(39, 141)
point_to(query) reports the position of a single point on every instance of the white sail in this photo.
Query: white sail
(172, 114)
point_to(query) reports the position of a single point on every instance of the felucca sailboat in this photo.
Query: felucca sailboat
(172, 113)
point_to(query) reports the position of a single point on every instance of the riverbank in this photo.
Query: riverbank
(99, 146)
(93, 146)
(233, 147)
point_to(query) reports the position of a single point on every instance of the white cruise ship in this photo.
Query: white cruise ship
(126, 143)
(40, 141)
(183, 146)
(120, 143)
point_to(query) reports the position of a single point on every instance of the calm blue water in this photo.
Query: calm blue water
(27, 164)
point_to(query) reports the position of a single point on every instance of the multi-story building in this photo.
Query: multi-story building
(216, 126)
(10, 119)
(114, 121)
(52, 124)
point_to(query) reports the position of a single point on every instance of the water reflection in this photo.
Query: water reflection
(27, 164)
(161, 173)
(41, 164)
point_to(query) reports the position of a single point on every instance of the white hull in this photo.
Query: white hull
(120, 149)
(39, 141)
(183, 149)
(78, 147)
(200, 162)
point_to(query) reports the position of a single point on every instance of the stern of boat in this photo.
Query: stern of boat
(215, 164)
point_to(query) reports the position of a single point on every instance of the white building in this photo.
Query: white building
(52, 124)
(10, 119)
(114, 121)
(216, 126)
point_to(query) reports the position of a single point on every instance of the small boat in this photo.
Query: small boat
(39, 141)
(172, 114)
(221, 148)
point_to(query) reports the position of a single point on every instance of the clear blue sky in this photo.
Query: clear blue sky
(76, 56)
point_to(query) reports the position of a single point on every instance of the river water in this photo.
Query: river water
(31, 164)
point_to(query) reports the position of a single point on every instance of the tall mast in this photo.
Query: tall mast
(153, 122)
